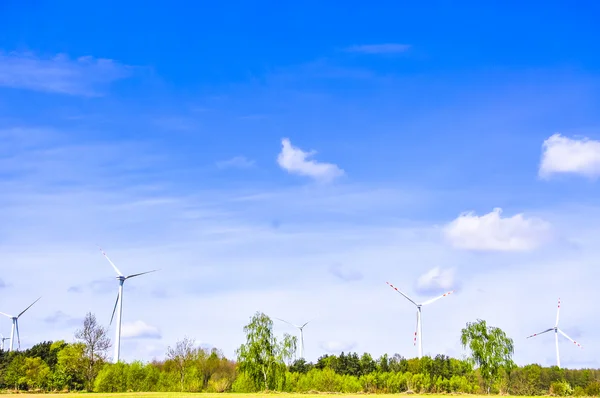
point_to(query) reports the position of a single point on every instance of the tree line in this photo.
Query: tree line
(266, 362)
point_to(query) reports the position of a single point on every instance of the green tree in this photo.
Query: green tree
(301, 366)
(14, 375)
(36, 373)
(263, 357)
(71, 366)
(491, 350)
(367, 364)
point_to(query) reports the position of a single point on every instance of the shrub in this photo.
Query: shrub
(243, 383)
(560, 388)
(593, 389)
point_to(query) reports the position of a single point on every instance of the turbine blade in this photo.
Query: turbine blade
(119, 273)
(141, 273)
(437, 298)
(416, 331)
(537, 334)
(302, 327)
(10, 316)
(283, 320)
(558, 312)
(573, 341)
(114, 309)
(405, 296)
(22, 312)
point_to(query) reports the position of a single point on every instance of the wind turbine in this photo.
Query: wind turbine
(3, 340)
(121, 278)
(15, 327)
(419, 330)
(301, 328)
(556, 332)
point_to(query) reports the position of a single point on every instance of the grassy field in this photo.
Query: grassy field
(208, 395)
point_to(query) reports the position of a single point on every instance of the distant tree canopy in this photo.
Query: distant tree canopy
(62, 366)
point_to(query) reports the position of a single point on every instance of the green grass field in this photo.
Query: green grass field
(208, 395)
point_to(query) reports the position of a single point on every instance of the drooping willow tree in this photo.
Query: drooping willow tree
(491, 350)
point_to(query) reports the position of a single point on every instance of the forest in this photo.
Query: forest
(266, 362)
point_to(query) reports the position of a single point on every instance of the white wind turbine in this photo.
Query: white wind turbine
(3, 339)
(419, 330)
(15, 327)
(301, 328)
(556, 332)
(121, 278)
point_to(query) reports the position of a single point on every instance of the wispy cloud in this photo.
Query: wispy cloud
(572, 156)
(492, 232)
(60, 318)
(386, 48)
(436, 280)
(345, 273)
(83, 76)
(336, 347)
(140, 330)
(98, 286)
(294, 160)
(3, 285)
(178, 123)
(238, 162)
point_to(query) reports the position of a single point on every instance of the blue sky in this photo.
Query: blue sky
(293, 158)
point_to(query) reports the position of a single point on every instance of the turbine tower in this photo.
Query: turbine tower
(301, 328)
(556, 332)
(15, 327)
(121, 278)
(3, 339)
(419, 330)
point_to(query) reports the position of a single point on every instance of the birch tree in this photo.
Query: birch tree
(263, 357)
(491, 350)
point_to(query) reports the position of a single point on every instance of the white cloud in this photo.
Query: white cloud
(387, 48)
(565, 155)
(491, 232)
(60, 318)
(345, 273)
(435, 280)
(336, 347)
(139, 329)
(240, 162)
(296, 161)
(84, 76)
